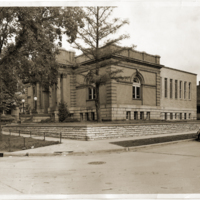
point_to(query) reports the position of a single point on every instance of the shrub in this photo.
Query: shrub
(63, 112)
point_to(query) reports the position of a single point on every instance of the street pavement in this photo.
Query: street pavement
(73, 147)
(167, 169)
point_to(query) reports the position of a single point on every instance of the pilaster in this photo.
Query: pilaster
(158, 85)
(111, 96)
(58, 93)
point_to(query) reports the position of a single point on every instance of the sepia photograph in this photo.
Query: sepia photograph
(99, 100)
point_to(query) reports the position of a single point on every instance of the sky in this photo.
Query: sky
(168, 28)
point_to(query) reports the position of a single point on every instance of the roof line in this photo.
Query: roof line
(179, 70)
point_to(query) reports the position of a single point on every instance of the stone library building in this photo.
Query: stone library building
(152, 91)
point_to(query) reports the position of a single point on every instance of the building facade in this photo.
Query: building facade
(198, 101)
(151, 91)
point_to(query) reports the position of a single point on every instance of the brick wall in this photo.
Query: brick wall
(95, 132)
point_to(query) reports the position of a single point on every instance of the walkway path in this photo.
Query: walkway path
(68, 146)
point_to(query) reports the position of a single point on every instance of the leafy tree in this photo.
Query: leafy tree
(99, 32)
(29, 38)
(63, 112)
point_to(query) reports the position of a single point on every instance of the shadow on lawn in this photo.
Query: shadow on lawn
(146, 141)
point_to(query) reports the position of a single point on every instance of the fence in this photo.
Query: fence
(21, 140)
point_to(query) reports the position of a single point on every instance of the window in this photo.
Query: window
(141, 115)
(135, 115)
(185, 115)
(180, 90)
(171, 115)
(198, 109)
(175, 116)
(171, 88)
(136, 88)
(148, 115)
(165, 116)
(165, 87)
(71, 115)
(91, 93)
(81, 116)
(185, 90)
(34, 91)
(189, 116)
(176, 89)
(180, 115)
(128, 115)
(189, 96)
(92, 116)
(87, 116)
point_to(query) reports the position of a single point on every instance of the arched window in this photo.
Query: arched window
(136, 88)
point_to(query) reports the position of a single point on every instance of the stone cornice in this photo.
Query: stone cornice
(126, 59)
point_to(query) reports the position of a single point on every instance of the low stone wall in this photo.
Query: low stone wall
(95, 132)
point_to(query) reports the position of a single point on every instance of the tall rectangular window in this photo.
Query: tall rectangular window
(180, 90)
(141, 115)
(92, 116)
(136, 89)
(128, 115)
(171, 88)
(91, 93)
(176, 89)
(135, 115)
(166, 87)
(189, 90)
(185, 83)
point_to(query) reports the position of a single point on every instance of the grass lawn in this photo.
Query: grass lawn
(16, 143)
(154, 140)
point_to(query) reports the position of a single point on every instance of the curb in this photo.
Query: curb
(71, 153)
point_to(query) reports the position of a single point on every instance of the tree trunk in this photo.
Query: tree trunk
(97, 101)
(97, 104)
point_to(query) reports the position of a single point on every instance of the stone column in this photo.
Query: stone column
(138, 116)
(32, 103)
(168, 116)
(63, 86)
(58, 99)
(38, 97)
(58, 93)
(163, 116)
(41, 100)
(50, 100)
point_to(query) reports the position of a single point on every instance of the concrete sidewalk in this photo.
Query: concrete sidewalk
(77, 147)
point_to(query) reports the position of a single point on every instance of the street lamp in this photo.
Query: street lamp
(35, 99)
(23, 100)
